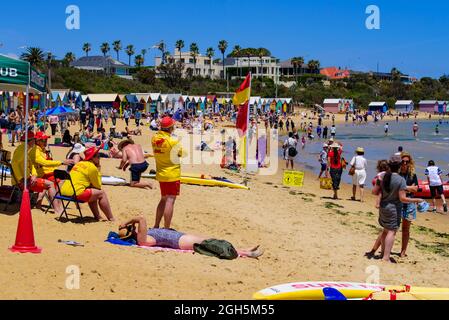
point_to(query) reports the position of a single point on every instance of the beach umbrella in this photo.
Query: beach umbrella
(59, 111)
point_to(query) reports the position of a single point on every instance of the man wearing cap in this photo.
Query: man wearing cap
(42, 165)
(86, 179)
(167, 152)
(132, 155)
(38, 185)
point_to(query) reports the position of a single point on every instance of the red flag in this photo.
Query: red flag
(242, 119)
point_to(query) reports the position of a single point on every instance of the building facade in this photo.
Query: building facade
(203, 67)
(101, 64)
(266, 67)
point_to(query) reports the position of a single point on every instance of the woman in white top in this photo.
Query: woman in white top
(359, 163)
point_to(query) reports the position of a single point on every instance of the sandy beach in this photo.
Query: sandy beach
(306, 237)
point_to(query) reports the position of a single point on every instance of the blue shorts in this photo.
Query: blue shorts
(324, 167)
(409, 212)
(166, 238)
(137, 170)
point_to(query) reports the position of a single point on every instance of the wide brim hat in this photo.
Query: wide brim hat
(360, 150)
(335, 145)
(78, 148)
(90, 153)
(167, 123)
(41, 136)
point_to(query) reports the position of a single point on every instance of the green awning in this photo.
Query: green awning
(15, 74)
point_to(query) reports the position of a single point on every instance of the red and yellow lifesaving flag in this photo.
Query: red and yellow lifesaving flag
(241, 99)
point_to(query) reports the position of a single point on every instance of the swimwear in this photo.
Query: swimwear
(137, 170)
(166, 238)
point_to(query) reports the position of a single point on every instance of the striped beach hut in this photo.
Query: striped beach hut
(378, 106)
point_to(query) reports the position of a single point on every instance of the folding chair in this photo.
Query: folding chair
(16, 188)
(65, 200)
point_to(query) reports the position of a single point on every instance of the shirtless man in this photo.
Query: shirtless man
(132, 155)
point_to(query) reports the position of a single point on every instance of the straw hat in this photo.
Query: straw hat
(335, 145)
(325, 145)
(124, 143)
(360, 150)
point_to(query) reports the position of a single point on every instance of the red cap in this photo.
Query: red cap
(41, 136)
(30, 136)
(167, 123)
(90, 153)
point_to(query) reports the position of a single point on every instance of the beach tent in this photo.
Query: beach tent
(378, 106)
(60, 111)
(331, 105)
(18, 75)
(404, 106)
(429, 106)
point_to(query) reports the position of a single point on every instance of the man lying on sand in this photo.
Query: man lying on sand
(137, 229)
(132, 155)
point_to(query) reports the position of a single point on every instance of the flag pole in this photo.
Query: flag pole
(247, 125)
(27, 105)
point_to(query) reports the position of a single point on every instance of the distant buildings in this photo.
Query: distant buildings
(101, 64)
(334, 73)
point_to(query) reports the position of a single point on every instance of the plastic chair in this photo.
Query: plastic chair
(65, 200)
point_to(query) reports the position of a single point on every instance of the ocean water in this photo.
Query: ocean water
(427, 146)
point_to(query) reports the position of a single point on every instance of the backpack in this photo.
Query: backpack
(292, 152)
(221, 249)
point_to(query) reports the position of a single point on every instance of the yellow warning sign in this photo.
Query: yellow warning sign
(293, 178)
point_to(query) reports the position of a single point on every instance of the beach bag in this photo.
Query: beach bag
(326, 183)
(292, 152)
(221, 249)
(352, 171)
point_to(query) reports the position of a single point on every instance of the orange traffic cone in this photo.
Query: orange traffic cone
(25, 235)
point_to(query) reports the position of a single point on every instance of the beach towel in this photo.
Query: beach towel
(114, 238)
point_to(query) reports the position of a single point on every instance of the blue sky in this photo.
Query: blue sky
(413, 35)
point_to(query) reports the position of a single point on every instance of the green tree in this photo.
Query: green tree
(143, 53)
(105, 48)
(194, 51)
(297, 62)
(130, 52)
(138, 60)
(180, 45)
(146, 76)
(117, 45)
(210, 53)
(313, 65)
(35, 56)
(223, 46)
(86, 48)
(69, 58)
(236, 54)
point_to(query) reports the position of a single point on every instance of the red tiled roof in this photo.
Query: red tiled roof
(335, 73)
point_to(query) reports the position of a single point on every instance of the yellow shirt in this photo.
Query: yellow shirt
(84, 175)
(17, 163)
(166, 149)
(40, 166)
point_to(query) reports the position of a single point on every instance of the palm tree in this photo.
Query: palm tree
(130, 52)
(297, 62)
(236, 53)
(194, 51)
(161, 48)
(117, 48)
(261, 52)
(210, 53)
(69, 58)
(180, 46)
(139, 61)
(105, 48)
(313, 65)
(86, 48)
(223, 46)
(35, 56)
(143, 53)
(395, 73)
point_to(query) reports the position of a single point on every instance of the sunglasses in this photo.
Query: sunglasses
(405, 162)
